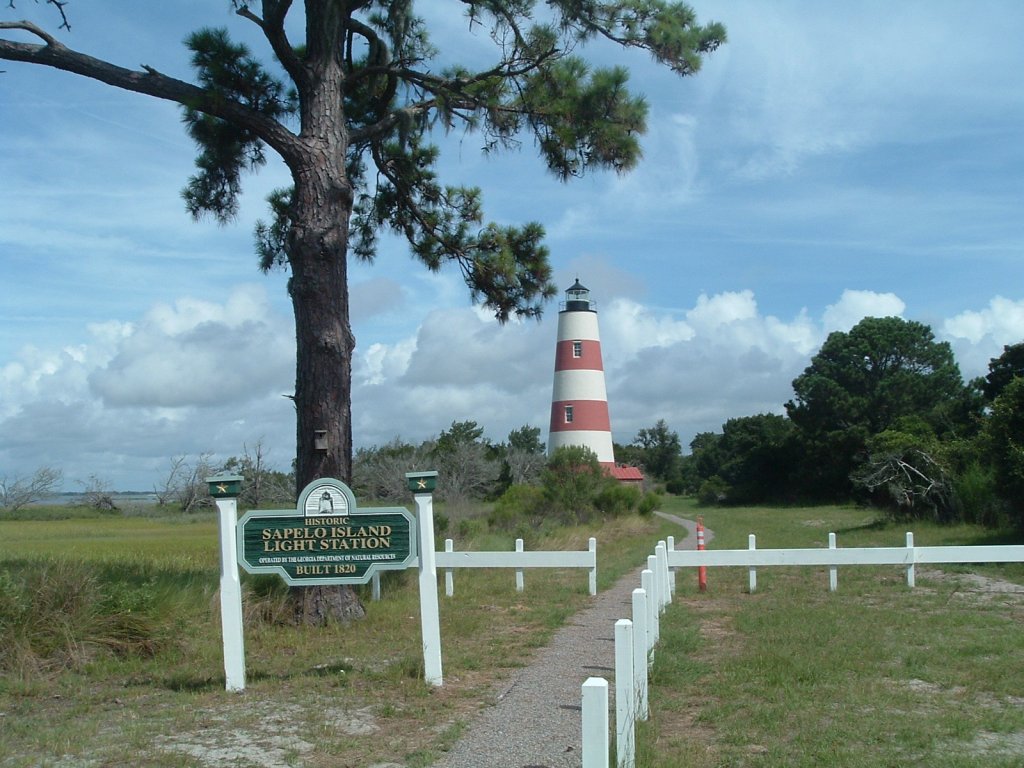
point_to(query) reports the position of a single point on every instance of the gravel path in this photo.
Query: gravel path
(536, 721)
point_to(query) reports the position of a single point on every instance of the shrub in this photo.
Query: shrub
(977, 496)
(517, 505)
(648, 504)
(60, 614)
(713, 491)
(572, 480)
(676, 486)
(616, 499)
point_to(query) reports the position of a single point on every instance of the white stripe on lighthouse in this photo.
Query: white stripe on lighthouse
(578, 325)
(578, 385)
(599, 442)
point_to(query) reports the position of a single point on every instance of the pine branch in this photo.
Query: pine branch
(59, 5)
(28, 26)
(272, 26)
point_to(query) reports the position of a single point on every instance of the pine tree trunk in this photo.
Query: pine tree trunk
(318, 252)
(323, 383)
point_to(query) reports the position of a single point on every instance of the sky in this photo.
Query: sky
(832, 161)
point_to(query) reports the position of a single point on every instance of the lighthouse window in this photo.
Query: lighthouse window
(568, 414)
(577, 349)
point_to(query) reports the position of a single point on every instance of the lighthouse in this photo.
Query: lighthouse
(579, 401)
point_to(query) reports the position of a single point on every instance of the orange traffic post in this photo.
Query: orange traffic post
(702, 571)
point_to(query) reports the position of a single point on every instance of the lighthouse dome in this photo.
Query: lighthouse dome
(577, 298)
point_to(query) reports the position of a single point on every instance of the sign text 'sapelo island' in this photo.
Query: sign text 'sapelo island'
(326, 539)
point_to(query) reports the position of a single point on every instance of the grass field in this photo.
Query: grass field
(110, 646)
(876, 674)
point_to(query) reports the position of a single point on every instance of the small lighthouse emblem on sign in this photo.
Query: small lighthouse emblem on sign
(579, 401)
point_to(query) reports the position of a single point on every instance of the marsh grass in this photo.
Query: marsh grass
(874, 674)
(110, 646)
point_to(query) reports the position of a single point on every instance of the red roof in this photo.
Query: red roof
(626, 474)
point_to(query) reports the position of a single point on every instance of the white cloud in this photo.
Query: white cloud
(383, 362)
(185, 378)
(854, 306)
(199, 353)
(1002, 320)
(667, 176)
(376, 296)
(628, 327)
(461, 365)
(978, 336)
(723, 309)
(730, 361)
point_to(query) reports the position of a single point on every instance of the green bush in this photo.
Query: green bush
(648, 504)
(676, 486)
(977, 496)
(713, 491)
(616, 499)
(59, 614)
(519, 504)
(571, 482)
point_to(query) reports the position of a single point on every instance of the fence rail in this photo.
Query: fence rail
(908, 556)
(518, 559)
(852, 556)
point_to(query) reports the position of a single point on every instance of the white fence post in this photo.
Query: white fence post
(910, 559)
(655, 593)
(449, 577)
(625, 695)
(752, 573)
(231, 597)
(640, 648)
(671, 541)
(662, 560)
(430, 619)
(592, 547)
(519, 571)
(375, 586)
(833, 571)
(647, 584)
(595, 723)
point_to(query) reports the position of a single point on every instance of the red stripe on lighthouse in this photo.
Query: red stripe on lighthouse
(587, 416)
(589, 357)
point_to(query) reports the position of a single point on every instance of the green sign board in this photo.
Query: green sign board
(326, 539)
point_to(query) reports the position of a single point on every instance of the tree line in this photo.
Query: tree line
(881, 415)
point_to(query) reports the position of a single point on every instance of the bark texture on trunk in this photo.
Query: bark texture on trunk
(324, 347)
(318, 255)
(317, 606)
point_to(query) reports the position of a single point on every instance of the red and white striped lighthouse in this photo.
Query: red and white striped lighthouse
(579, 401)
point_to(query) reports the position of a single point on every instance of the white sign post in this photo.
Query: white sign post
(422, 485)
(225, 490)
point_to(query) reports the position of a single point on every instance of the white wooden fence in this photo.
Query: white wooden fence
(907, 556)
(635, 639)
(519, 560)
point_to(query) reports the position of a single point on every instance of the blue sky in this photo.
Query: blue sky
(831, 162)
